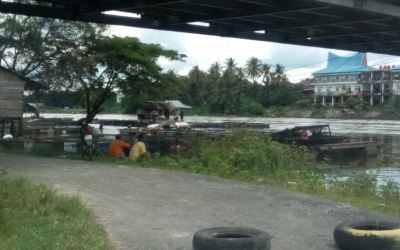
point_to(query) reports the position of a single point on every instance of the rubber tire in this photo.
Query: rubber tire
(347, 241)
(231, 238)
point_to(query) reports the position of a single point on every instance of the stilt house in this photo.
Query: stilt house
(12, 88)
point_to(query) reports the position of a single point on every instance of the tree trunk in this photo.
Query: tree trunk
(88, 106)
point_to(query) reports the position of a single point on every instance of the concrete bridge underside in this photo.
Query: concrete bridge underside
(357, 25)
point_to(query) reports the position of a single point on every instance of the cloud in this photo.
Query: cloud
(203, 50)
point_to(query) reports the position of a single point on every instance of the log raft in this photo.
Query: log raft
(367, 148)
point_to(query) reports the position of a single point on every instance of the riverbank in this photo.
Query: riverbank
(294, 111)
(378, 113)
(257, 159)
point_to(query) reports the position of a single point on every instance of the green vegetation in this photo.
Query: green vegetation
(35, 217)
(89, 75)
(356, 104)
(260, 160)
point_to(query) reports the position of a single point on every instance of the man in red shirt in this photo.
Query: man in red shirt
(116, 148)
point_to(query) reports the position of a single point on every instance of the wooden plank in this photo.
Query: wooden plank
(14, 111)
(10, 95)
(9, 102)
(11, 108)
(11, 116)
(5, 84)
(11, 90)
(11, 113)
(9, 76)
(17, 106)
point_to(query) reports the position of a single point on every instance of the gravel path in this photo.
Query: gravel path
(160, 210)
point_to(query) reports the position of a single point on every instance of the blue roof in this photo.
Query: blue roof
(356, 63)
(396, 69)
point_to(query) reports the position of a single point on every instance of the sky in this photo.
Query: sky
(203, 50)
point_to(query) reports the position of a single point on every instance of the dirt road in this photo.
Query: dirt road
(160, 210)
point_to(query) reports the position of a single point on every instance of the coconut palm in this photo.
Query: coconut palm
(197, 86)
(215, 69)
(278, 75)
(266, 73)
(253, 68)
(230, 65)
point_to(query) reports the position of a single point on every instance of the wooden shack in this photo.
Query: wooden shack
(153, 111)
(12, 88)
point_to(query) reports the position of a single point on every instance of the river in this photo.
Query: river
(386, 166)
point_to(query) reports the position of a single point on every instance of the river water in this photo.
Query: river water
(386, 166)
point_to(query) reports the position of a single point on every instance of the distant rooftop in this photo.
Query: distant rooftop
(356, 63)
(178, 104)
(396, 69)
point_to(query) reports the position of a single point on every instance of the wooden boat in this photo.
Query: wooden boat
(308, 135)
(320, 138)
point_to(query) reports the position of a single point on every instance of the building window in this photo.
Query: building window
(348, 90)
(396, 76)
(319, 90)
(337, 88)
(357, 89)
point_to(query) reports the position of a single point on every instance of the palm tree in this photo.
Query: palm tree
(197, 86)
(278, 75)
(215, 69)
(253, 68)
(230, 65)
(266, 73)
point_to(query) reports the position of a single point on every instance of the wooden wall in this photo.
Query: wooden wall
(11, 95)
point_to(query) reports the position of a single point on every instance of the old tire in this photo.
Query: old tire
(231, 238)
(368, 235)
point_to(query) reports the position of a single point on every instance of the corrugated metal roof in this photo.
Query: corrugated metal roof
(178, 104)
(356, 63)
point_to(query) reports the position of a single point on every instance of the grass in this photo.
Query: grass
(35, 217)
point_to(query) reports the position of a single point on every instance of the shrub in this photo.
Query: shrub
(251, 108)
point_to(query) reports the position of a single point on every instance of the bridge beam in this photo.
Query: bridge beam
(366, 5)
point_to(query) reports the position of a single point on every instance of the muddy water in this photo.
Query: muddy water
(386, 132)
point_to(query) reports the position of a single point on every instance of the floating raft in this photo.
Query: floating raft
(229, 125)
(215, 125)
(367, 148)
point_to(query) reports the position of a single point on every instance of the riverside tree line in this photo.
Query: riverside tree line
(83, 67)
